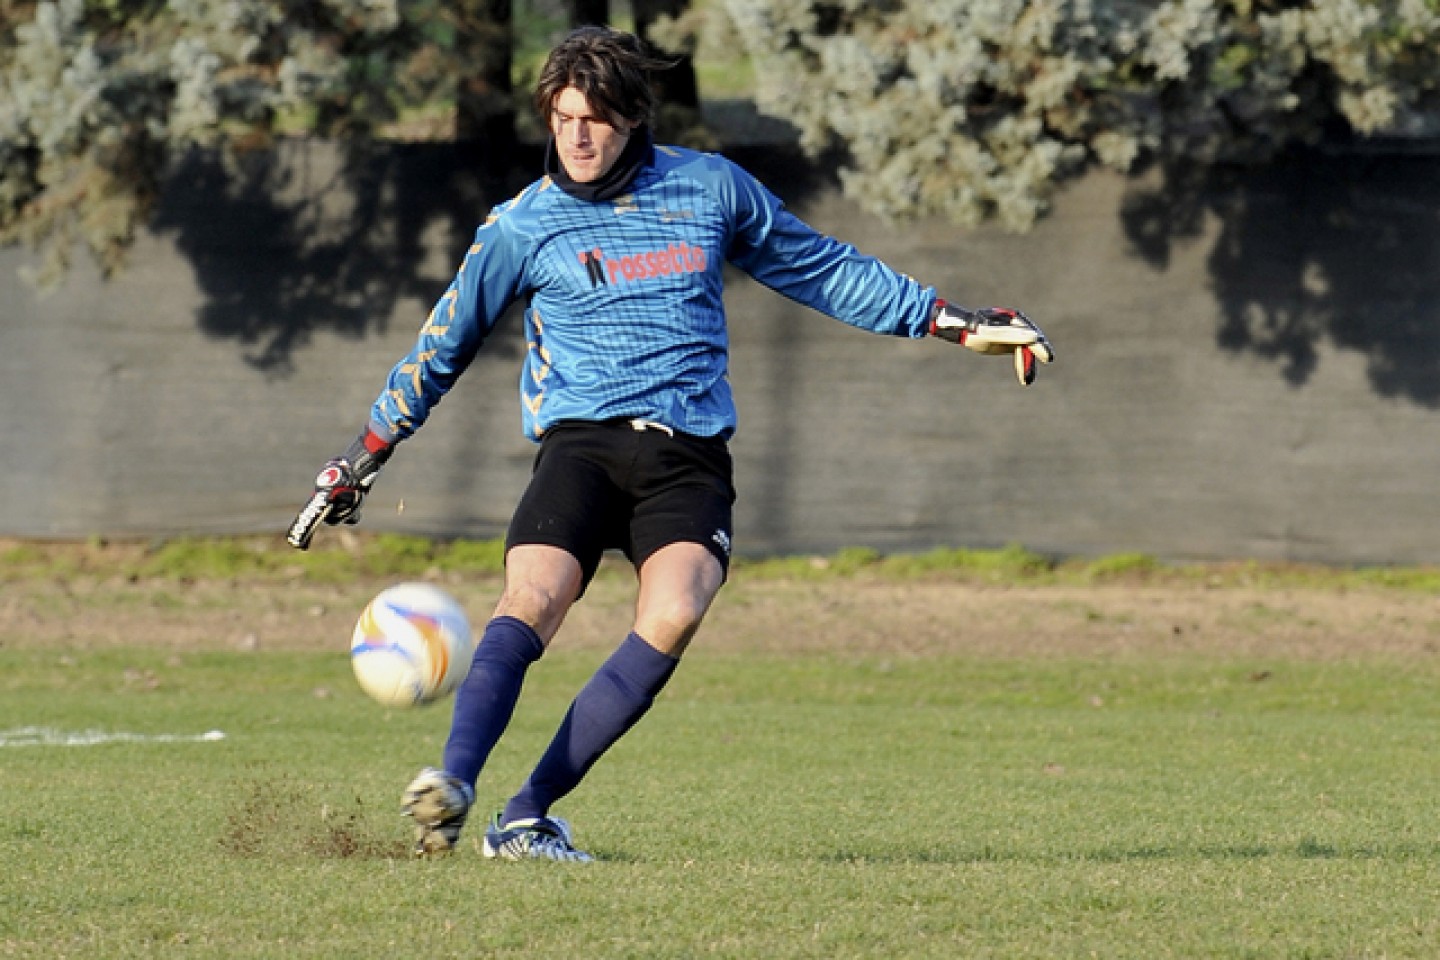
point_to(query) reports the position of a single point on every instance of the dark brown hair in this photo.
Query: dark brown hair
(611, 68)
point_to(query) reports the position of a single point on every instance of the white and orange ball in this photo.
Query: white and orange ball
(412, 645)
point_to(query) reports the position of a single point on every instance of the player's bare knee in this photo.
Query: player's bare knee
(670, 626)
(542, 607)
(531, 598)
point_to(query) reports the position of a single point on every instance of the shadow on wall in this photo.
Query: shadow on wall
(322, 236)
(1317, 248)
(329, 236)
(1314, 248)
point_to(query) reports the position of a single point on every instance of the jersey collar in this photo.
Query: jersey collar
(638, 153)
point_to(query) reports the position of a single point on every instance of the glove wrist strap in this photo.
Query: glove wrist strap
(935, 312)
(368, 453)
(954, 333)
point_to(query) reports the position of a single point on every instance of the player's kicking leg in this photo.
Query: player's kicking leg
(540, 585)
(677, 584)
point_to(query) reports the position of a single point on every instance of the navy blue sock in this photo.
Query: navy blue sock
(606, 707)
(486, 700)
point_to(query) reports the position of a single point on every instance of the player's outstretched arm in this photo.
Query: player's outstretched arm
(340, 488)
(994, 331)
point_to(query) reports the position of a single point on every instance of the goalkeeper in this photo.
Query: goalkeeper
(619, 250)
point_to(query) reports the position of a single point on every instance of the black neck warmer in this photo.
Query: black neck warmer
(637, 153)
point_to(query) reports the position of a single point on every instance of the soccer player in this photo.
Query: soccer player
(619, 249)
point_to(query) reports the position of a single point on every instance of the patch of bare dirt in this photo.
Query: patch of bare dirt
(279, 817)
(857, 616)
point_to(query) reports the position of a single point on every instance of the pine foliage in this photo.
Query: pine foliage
(974, 109)
(969, 109)
(97, 95)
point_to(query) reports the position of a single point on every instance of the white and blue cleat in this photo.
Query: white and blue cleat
(533, 838)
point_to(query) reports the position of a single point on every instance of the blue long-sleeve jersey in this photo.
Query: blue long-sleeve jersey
(625, 315)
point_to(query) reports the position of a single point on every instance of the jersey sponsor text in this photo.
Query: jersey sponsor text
(678, 257)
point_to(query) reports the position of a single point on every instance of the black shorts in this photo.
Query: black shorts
(613, 485)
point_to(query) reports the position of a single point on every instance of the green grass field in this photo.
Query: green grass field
(770, 806)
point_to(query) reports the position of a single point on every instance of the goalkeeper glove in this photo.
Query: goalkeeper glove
(994, 331)
(347, 478)
(340, 487)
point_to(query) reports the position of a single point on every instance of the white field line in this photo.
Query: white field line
(50, 737)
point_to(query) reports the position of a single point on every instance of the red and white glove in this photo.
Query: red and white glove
(994, 331)
(340, 488)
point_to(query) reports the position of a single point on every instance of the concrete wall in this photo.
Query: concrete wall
(1249, 367)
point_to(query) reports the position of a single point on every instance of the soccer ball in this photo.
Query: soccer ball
(411, 645)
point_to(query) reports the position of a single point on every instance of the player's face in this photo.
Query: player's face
(588, 146)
